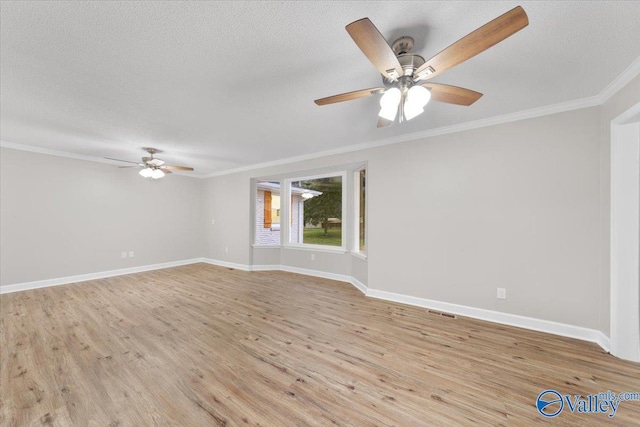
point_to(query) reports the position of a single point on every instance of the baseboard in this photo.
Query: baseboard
(5, 289)
(316, 273)
(540, 325)
(603, 341)
(265, 268)
(531, 323)
(287, 268)
(219, 263)
(359, 285)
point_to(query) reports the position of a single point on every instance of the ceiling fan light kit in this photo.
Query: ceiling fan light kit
(405, 94)
(151, 167)
(415, 100)
(389, 103)
(146, 172)
(157, 174)
(152, 173)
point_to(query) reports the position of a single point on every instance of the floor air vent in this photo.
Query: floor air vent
(440, 313)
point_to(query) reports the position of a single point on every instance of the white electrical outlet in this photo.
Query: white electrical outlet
(213, 222)
(130, 254)
(313, 257)
(502, 293)
(124, 254)
(226, 249)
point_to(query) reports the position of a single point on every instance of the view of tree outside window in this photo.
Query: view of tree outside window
(316, 207)
(361, 177)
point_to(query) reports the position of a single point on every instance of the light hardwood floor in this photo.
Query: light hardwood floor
(201, 345)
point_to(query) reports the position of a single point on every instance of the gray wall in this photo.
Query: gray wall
(513, 206)
(228, 201)
(522, 205)
(454, 217)
(63, 217)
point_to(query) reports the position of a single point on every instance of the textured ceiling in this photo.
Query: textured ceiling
(220, 85)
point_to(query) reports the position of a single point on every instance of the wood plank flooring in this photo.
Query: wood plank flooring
(201, 345)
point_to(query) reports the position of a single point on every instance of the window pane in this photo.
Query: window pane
(362, 194)
(316, 211)
(268, 213)
(275, 208)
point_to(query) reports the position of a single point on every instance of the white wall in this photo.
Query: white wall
(62, 217)
(624, 99)
(625, 232)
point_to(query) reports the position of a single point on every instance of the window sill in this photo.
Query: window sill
(359, 255)
(265, 246)
(317, 248)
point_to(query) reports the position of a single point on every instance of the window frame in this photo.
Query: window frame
(285, 237)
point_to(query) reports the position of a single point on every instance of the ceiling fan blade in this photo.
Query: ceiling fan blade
(348, 96)
(382, 122)
(375, 47)
(474, 43)
(452, 94)
(166, 171)
(118, 160)
(177, 168)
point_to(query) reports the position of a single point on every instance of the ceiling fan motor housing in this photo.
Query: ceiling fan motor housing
(152, 162)
(410, 62)
(402, 45)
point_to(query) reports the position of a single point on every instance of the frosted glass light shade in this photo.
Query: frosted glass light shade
(146, 172)
(417, 97)
(389, 104)
(157, 174)
(411, 111)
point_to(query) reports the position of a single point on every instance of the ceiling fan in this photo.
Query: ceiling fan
(152, 167)
(405, 92)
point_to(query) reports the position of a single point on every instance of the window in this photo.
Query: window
(267, 213)
(360, 193)
(315, 210)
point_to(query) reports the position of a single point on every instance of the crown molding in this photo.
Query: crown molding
(591, 101)
(611, 89)
(58, 153)
(632, 71)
